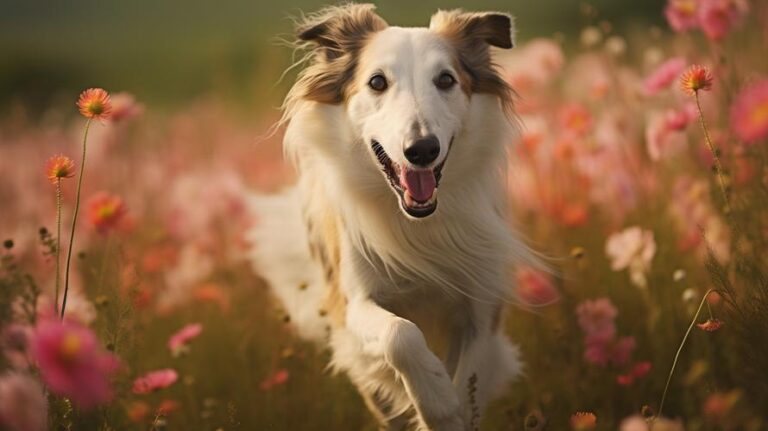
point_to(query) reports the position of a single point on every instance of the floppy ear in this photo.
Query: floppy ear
(475, 28)
(340, 29)
(472, 35)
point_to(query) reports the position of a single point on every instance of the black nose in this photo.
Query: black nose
(423, 151)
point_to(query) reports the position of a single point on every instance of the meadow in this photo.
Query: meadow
(641, 172)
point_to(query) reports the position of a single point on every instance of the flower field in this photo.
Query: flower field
(127, 301)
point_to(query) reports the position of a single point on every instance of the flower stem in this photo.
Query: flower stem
(715, 155)
(677, 355)
(58, 242)
(74, 220)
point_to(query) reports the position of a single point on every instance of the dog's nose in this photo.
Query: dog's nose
(423, 151)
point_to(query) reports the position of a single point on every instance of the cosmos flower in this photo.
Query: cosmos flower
(23, 405)
(749, 113)
(711, 325)
(535, 287)
(105, 211)
(717, 17)
(72, 363)
(154, 381)
(638, 371)
(125, 107)
(597, 316)
(59, 167)
(179, 341)
(576, 119)
(278, 378)
(664, 75)
(583, 421)
(95, 103)
(633, 249)
(682, 15)
(696, 78)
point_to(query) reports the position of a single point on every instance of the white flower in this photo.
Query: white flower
(632, 249)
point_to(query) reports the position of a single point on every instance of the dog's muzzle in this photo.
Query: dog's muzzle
(416, 189)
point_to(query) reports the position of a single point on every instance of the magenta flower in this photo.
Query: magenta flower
(664, 75)
(72, 363)
(154, 381)
(23, 406)
(179, 341)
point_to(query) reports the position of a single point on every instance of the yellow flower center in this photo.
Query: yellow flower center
(759, 115)
(70, 346)
(95, 107)
(107, 211)
(686, 7)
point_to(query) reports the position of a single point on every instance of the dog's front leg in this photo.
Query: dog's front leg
(402, 346)
(487, 362)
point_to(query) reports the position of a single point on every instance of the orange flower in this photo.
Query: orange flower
(105, 211)
(711, 325)
(583, 421)
(696, 78)
(95, 103)
(59, 167)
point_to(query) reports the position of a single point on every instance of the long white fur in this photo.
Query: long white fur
(446, 275)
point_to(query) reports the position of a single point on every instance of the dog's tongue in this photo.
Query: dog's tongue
(419, 184)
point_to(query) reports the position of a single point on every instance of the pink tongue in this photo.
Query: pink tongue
(419, 184)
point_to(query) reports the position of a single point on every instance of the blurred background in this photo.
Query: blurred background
(171, 51)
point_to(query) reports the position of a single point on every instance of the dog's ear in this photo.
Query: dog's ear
(340, 29)
(472, 35)
(475, 28)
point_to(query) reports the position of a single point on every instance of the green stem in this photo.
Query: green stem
(713, 150)
(74, 220)
(677, 355)
(58, 242)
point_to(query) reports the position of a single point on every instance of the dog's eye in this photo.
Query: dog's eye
(445, 81)
(378, 83)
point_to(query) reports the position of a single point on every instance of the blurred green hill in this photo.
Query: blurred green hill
(169, 51)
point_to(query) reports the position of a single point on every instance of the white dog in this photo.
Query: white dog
(406, 287)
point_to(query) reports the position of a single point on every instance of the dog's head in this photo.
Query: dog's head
(407, 91)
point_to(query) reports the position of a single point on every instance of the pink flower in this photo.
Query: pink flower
(696, 78)
(124, 107)
(679, 120)
(278, 378)
(23, 406)
(749, 113)
(711, 325)
(576, 119)
(72, 363)
(718, 17)
(682, 14)
(596, 317)
(154, 381)
(179, 341)
(535, 287)
(105, 211)
(664, 75)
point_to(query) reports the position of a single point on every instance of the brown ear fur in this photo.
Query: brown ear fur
(472, 34)
(337, 33)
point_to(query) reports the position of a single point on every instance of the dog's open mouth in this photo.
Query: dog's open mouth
(415, 188)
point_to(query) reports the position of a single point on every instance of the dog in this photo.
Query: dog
(406, 286)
